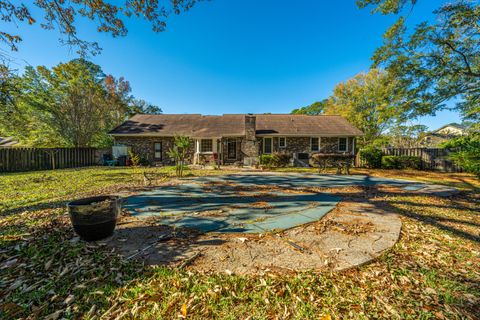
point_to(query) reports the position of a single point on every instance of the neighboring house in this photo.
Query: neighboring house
(7, 142)
(447, 132)
(236, 138)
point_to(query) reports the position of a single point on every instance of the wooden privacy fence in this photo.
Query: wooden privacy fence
(27, 159)
(431, 158)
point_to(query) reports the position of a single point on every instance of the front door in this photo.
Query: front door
(232, 149)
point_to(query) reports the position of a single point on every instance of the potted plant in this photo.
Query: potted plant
(94, 218)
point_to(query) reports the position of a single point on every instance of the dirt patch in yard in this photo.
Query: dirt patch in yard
(359, 229)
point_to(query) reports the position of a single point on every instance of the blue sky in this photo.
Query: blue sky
(236, 56)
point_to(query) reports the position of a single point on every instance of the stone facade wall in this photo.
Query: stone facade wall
(330, 145)
(249, 148)
(246, 149)
(302, 145)
(224, 149)
(145, 148)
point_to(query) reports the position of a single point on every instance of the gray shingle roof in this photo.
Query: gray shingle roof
(200, 126)
(304, 125)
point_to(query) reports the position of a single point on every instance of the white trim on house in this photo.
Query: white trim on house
(206, 145)
(159, 151)
(167, 135)
(319, 144)
(304, 135)
(198, 146)
(346, 144)
(271, 145)
(285, 143)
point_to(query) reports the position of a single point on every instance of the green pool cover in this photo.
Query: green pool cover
(233, 203)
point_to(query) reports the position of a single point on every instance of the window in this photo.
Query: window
(267, 145)
(315, 144)
(342, 144)
(282, 142)
(232, 149)
(158, 150)
(206, 145)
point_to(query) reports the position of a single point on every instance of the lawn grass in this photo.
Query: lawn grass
(432, 272)
(26, 189)
(462, 181)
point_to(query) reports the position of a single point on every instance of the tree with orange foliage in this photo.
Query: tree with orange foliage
(74, 104)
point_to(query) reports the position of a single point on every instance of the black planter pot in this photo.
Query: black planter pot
(94, 218)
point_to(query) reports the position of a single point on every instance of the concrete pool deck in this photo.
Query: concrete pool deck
(263, 222)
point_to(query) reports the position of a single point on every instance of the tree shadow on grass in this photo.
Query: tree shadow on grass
(157, 244)
(42, 269)
(429, 219)
(36, 207)
(39, 272)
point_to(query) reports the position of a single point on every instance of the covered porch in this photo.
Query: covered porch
(219, 150)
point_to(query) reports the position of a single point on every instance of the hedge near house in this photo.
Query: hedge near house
(342, 162)
(401, 162)
(468, 154)
(281, 159)
(275, 160)
(266, 160)
(372, 157)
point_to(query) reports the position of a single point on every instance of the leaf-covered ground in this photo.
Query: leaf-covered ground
(432, 272)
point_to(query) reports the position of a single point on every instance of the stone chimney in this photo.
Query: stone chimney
(249, 146)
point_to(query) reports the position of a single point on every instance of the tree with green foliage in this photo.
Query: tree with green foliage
(8, 85)
(373, 102)
(107, 16)
(371, 157)
(16, 117)
(386, 6)
(74, 104)
(179, 153)
(405, 136)
(314, 109)
(468, 154)
(438, 61)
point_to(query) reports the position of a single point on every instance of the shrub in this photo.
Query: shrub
(138, 160)
(467, 154)
(372, 157)
(469, 160)
(281, 159)
(401, 162)
(332, 160)
(179, 153)
(390, 162)
(134, 158)
(144, 162)
(326, 160)
(410, 162)
(266, 160)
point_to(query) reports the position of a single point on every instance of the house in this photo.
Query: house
(236, 138)
(449, 131)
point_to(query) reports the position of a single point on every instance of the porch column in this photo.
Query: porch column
(196, 151)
